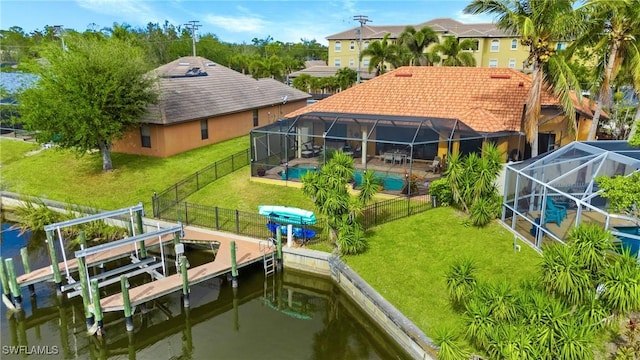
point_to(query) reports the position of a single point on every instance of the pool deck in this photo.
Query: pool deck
(419, 170)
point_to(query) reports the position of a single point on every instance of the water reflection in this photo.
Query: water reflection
(289, 315)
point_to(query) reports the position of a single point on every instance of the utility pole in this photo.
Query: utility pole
(193, 26)
(58, 30)
(362, 19)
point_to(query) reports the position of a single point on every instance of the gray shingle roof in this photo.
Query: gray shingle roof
(442, 25)
(222, 91)
(327, 71)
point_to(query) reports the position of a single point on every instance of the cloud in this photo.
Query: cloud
(237, 23)
(470, 18)
(132, 11)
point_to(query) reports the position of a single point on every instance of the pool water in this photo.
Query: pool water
(389, 181)
(632, 245)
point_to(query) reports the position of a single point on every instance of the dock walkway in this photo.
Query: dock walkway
(247, 252)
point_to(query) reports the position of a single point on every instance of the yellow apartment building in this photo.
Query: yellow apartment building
(496, 48)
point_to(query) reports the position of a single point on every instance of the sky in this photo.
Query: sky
(232, 21)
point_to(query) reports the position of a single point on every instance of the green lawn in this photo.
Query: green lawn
(61, 175)
(408, 258)
(406, 261)
(236, 191)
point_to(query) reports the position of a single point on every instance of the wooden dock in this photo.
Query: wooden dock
(247, 252)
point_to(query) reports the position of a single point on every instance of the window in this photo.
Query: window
(256, 121)
(561, 46)
(204, 129)
(512, 63)
(366, 44)
(495, 45)
(338, 46)
(514, 44)
(336, 62)
(145, 136)
(365, 63)
(351, 62)
(352, 45)
(493, 63)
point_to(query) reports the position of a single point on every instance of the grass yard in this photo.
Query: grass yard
(407, 260)
(60, 175)
(236, 191)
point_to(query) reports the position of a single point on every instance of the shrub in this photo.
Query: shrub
(442, 191)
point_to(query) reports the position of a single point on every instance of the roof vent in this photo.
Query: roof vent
(521, 84)
(500, 76)
(404, 75)
(183, 64)
(211, 64)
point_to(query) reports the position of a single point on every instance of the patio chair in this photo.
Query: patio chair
(388, 157)
(307, 152)
(555, 207)
(358, 151)
(435, 166)
(554, 213)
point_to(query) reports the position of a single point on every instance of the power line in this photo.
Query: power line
(193, 26)
(363, 20)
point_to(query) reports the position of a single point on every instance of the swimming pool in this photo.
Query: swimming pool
(393, 182)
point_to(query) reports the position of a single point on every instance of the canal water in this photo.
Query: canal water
(291, 315)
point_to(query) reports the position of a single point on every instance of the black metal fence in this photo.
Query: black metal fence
(254, 224)
(393, 209)
(233, 221)
(171, 196)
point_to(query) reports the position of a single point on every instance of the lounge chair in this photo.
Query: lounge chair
(435, 166)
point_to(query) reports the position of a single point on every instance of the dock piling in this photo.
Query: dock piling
(13, 284)
(27, 269)
(57, 278)
(234, 266)
(4, 280)
(185, 280)
(124, 285)
(279, 248)
(140, 230)
(84, 286)
(97, 309)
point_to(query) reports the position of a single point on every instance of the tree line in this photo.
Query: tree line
(163, 43)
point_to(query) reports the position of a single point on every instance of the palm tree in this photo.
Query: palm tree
(539, 24)
(381, 52)
(450, 345)
(417, 41)
(452, 48)
(242, 61)
(346, 77)
(267, 67)
(564, 273)
(328, 190)
(613, 26)
(461, 280)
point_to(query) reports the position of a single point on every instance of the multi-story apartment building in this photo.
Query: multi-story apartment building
(496, 48)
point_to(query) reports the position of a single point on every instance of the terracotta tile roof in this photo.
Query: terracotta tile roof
(486, 99)
(221, 91)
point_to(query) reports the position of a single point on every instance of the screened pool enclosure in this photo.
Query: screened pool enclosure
(387, 144)
(546, 196)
